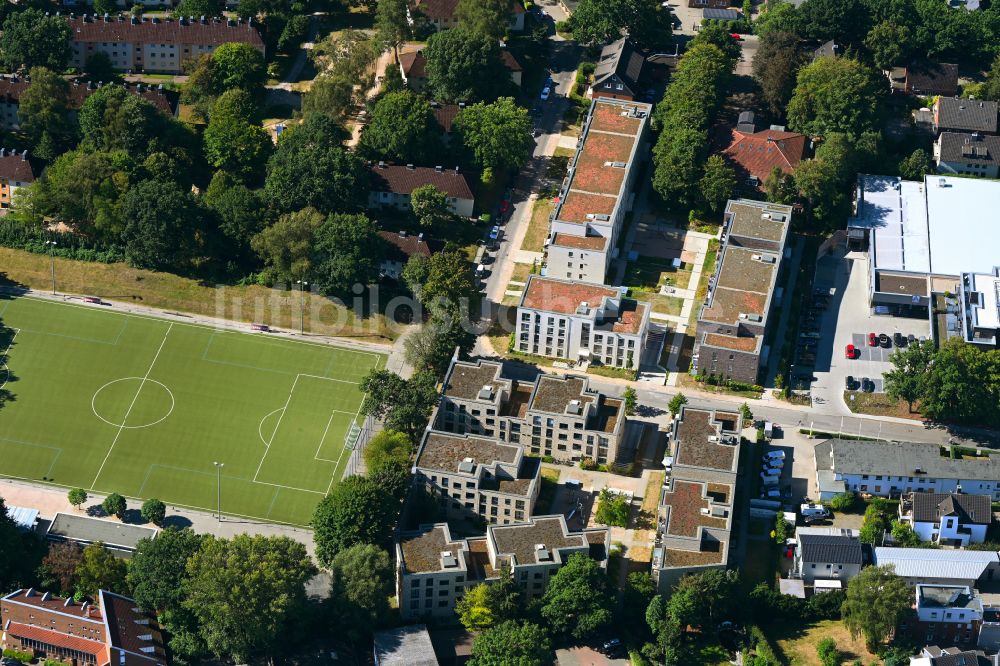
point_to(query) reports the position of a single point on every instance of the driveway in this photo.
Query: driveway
(585, 656)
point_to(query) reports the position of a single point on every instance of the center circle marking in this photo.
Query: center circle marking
(142, 385)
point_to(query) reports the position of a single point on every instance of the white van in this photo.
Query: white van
(775, 455)
(814, 510)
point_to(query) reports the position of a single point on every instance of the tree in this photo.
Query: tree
(391, 24)
(154, 511)
(613, 509)
(877, 601)
(161, 223)
(286, 246)
(908, 377)
(841, 20)
(99, 67)
(597, 22)
(402, 128)
(991, 87)
(473, 609)
(102, 7)
(362, 583)
(826, 650)
(577, 602)
(415, 273)
(835, 95)
(234, 141)
(916, 166)
(239, 65)
(465, 66)
(247, 593)
(903, 535)
(678, 156)
(676, 403)
(430, 206)
(32, 39)
(717, 183)
(311, 168)
(240, 216)
(199, 8)
(44, 116)
(631, 399)
(487, 17)
(703, 600)
(778, 17)
(844, 501)
(496, 135)
(489, 604)
(875, 523)
(114, 505)
(58, 568)
(20, 553)
(433, 345)
(775, 69)
(780, 531)
(158, 569)
(450, 284)
(719, 35)
(667, 631)
(779, 187)
(387, 448)
(356, 511)
(99, 569)
(402, 404)
(963, 384)
(512, 643)
(890, 44)
(393, 477)
(347, 251)
(746, 413)
(77, 497)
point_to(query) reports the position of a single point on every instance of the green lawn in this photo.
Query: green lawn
(113, 402)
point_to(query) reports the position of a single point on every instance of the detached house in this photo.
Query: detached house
(401, 246)
(957, 114)
(827, 554)
(925, 78)
(392, 184)
(970, 154)
(947, 518)
(618, 71)
(756, 154)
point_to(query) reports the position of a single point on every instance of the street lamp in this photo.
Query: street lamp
(52, 256)
(303, 285)
(218, 470)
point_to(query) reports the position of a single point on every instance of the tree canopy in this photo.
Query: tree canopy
(347, 251)
(877, 600)
(497, 135)
(402, 128)
(32, 39)
(577, 601)
(511, 642)
(159, 569)
(357, 511)
(465, 66)
(835, 95)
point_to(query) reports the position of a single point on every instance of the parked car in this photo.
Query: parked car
(770, 493)
(867, 385)
(771, 471)
(910, 339)
(494, 233)
(850, 352)
(736, 36)
(546, 91)
(612, 646)
(810, 509)
(504, 206)
(884, 341)
(898, 339)
(873, 340)
(850, 383)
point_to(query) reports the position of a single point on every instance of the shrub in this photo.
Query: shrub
(23, 657)
(613, 509)
(826, 649)
(588, 464)
(844, 502)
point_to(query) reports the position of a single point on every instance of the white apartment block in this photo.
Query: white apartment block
(554, 416)
(477, 478)
(433, 570)
(581, 322)
(954, 519)
(596, 193)
(889, 469)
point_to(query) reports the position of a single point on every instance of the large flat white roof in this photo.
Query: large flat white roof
(963, 216)
(987, 284)
(944, 225)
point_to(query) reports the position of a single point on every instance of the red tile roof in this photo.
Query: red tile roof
(15, 166)
(445, 115)
(509, 61)
(400, 179)
(58, 639)
(437, 9)
(30, 597)
(413, 64)
(168, 31)
(760, 152)
(11, 90)
(126, 623)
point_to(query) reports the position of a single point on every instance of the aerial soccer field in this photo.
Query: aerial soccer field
(115, 402)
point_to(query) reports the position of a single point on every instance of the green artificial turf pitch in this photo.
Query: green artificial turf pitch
(113, 402)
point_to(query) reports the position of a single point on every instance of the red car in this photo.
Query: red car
(736, 36)
(504, 206)
(872, 340)
(850, 352)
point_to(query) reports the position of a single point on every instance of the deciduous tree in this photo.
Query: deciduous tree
(908, 377)
(44, 116)
(775, 70)
(718, 182)
(247, 593)
(161, 225)
(362, 583)
(403, 404)
(346, 251)
(387, 448)
(577, 602)
(114, 505)
(631, 399)
(917, 165)
(236, 145)
(391, 24)
(524, 644)
(430, 206)
(357, 511)
(877, 601)
(154, 511)
(286, 246)
(835, 95)
(963, 384)
(598, 22)
(100, 570)
(32, 39)
(402, 128)
(487, 17)
(465, 66)
(58, 568)
(676, 403)
(496, 135)
(77, 497)
(158, 569)
(890, 44)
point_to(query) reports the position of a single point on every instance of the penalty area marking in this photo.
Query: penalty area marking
(4, 370)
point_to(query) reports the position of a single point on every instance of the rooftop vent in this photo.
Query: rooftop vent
(467, 466)
(448, 560)
(750, 317)
(575, 407)
(411, 167)
(601, 217)
(486, 393)
(542, 553)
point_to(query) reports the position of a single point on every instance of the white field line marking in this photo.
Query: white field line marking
(224, 476)
(57, 449)
(3, 358)
(134, 399)
(260, 426)
(333, 477)
(270, 507)
(276, 426)
(327, 430)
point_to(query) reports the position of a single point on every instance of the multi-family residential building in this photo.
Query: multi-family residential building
(401, 246)
(476, 477)
(958, 114)
(979, 300)
(392, 185)
(827, 554)
(581, 322)
(968, 154)
(434, 570)
(442, 14)
(696, 502)
(888, 469)
(12, 86)
(969, 568)
(949, 614)
(734, 319)
(618, 71)
(15, 173)
(553, 416)
(413, 68)
(596, 193)
(154, 44)
(954, 519)
(932, 655)
(108, 630)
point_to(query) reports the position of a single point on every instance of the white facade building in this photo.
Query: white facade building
(948, 518)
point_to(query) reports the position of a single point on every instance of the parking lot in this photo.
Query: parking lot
(846, 320)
